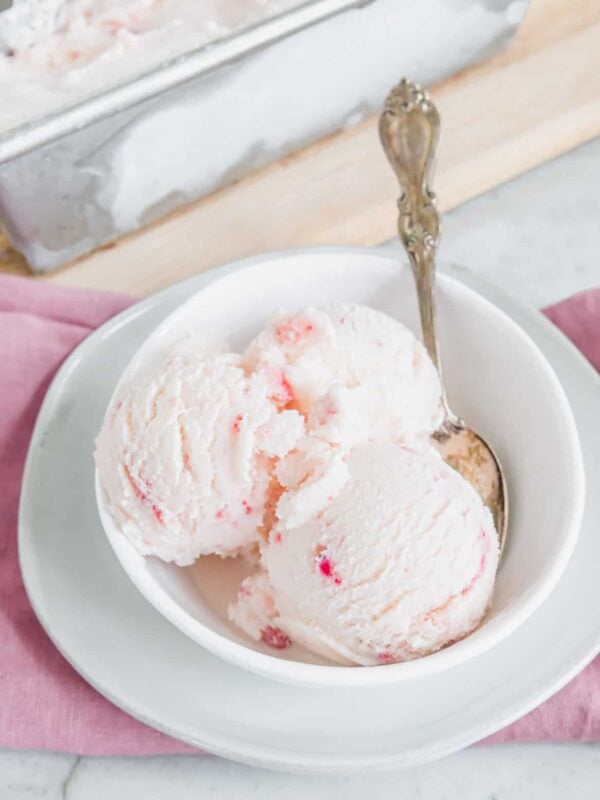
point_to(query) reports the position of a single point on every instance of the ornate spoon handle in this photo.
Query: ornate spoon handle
(410, 128)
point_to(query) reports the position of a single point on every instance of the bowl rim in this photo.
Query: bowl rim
(320, 675)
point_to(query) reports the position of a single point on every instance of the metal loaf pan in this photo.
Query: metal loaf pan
(82, 177)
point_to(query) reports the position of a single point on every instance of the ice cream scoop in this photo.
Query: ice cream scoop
(186, 454)
(356, 374)
(400, 564)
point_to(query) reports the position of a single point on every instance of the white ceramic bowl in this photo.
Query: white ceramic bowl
(497, 379)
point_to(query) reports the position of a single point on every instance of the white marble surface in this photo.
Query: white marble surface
(515, 772)
(536, 237)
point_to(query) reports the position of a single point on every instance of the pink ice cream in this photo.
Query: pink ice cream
(312, 448)
(56, 53)
(355, 373)
(401, 563)
(185, 457)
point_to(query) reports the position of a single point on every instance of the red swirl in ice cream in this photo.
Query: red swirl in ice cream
(185, 457)
(400, 564)
(355, 373)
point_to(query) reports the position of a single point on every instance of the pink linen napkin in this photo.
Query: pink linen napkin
(44, 703)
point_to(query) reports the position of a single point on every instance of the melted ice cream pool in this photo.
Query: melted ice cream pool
(56, 53)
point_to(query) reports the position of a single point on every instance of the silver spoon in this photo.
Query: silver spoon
(410, 128)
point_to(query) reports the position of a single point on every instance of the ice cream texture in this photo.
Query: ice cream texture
(313, 448)
(399, 565)
(55, 53)
(354, 372)
(185, 457)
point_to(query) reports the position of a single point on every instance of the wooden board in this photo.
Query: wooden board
(529, 104)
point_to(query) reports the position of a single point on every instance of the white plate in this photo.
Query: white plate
(143, 664)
